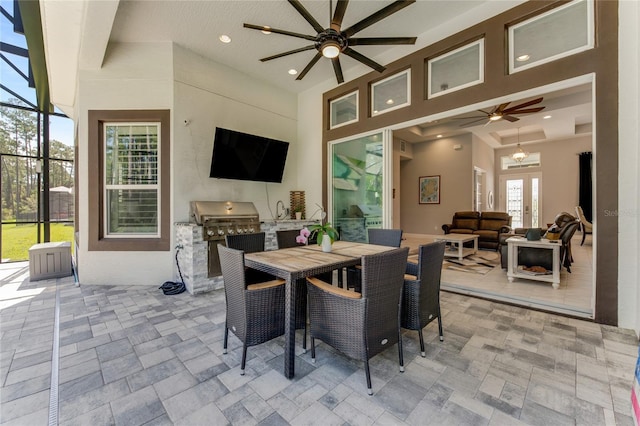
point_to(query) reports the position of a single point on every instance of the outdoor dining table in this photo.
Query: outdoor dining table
(298, 263)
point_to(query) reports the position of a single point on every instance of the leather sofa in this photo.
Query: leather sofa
(565, 223)
(489, 226)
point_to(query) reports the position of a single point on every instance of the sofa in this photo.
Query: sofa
(489, 226)
(565, 224)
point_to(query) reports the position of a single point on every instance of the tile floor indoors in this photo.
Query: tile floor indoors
(133, 356)
(574, 297)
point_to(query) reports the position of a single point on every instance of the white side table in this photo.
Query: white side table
(512, 259)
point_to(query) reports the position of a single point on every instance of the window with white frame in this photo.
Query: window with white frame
(560, 32)
(455, 70)
(344, 110)
(391, 93)
(132, 179)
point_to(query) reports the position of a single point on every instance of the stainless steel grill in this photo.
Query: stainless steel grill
(222, 218)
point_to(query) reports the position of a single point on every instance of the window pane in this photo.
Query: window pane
(555, 34)
(344, 110)
(457, 69)
(131, 154)
(391, 93)
(132, 211)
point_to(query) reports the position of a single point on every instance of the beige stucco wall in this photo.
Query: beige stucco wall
(629, 164)
(133, 76)
(559, 167)
(455, 169)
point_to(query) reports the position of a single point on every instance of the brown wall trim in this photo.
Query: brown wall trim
(602, 61)
(97, 241)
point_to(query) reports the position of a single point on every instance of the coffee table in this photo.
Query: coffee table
(458, 240)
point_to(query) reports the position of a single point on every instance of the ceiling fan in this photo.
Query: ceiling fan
(331, 42)
(501, 112)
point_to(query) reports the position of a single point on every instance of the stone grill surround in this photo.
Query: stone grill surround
(193, 256)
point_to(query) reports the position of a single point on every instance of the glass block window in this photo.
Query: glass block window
(560, 32)
(455, 70)
(131, 186)
(391, 93)
(344, 110)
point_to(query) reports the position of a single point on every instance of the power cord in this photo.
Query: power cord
(170, 287)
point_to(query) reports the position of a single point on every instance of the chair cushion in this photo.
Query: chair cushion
(492, 225)
(266, 284)
(461, 231)
(487, 235)
(335, 290)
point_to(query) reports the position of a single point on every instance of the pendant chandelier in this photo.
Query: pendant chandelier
(519, 155)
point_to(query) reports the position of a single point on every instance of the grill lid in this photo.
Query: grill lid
(203, 211)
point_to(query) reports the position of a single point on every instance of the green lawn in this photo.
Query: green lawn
(17, 239)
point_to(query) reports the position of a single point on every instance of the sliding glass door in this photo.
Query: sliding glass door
(360, 184)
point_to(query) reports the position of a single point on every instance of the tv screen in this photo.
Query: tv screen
(242, 156)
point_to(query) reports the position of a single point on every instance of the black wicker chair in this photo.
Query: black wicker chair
(381, 237)
(361, 325)
(287, 238)
(250, 243)
(255, 312)
(421, 295)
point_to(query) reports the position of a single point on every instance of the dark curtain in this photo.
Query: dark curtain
(586, 191)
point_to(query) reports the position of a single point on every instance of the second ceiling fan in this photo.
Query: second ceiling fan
(503, 112)
(331, 42)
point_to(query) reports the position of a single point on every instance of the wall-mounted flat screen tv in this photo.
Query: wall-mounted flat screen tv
(242, 156)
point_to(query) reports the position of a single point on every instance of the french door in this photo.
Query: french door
(520, 197)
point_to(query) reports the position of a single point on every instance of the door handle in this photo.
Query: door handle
(526, 209)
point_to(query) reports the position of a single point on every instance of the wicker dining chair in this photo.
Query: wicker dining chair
(361, 325)
(250, 243)
(421, 295)
(287, 238)
(381, 237)
(255, 312)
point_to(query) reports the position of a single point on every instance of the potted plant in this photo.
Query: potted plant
(325, 234)
(297, 209)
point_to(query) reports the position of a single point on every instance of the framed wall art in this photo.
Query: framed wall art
(429, 187)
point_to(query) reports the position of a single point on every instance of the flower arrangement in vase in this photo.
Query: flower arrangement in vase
(325, 234)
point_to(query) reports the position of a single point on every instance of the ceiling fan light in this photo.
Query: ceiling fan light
(330, 49)
(266, 30)
(495, 117)
(523, 58)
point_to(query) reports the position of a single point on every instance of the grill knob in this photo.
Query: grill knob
(220, 232)
(239, 230)
(230, 232)
(251, 230)
(210, 232)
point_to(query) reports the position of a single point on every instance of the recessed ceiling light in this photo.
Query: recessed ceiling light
(292, 71)
(438, 136)
(225, 38)
(523, 58)
(546, 117)
(375, 111)
(389, 101)
(266, 30)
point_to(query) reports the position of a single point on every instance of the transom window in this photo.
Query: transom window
(132, 179)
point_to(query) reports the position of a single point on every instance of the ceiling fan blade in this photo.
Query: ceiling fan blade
(337, 69)
(526, 104)
(500, 108)
(290, 52)
(377, 16)
(510, 118)
(309, 66)
(277, 31)
(369, 41)
(524, 111)
(306, 15)
(338, 14)
(359, 57)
